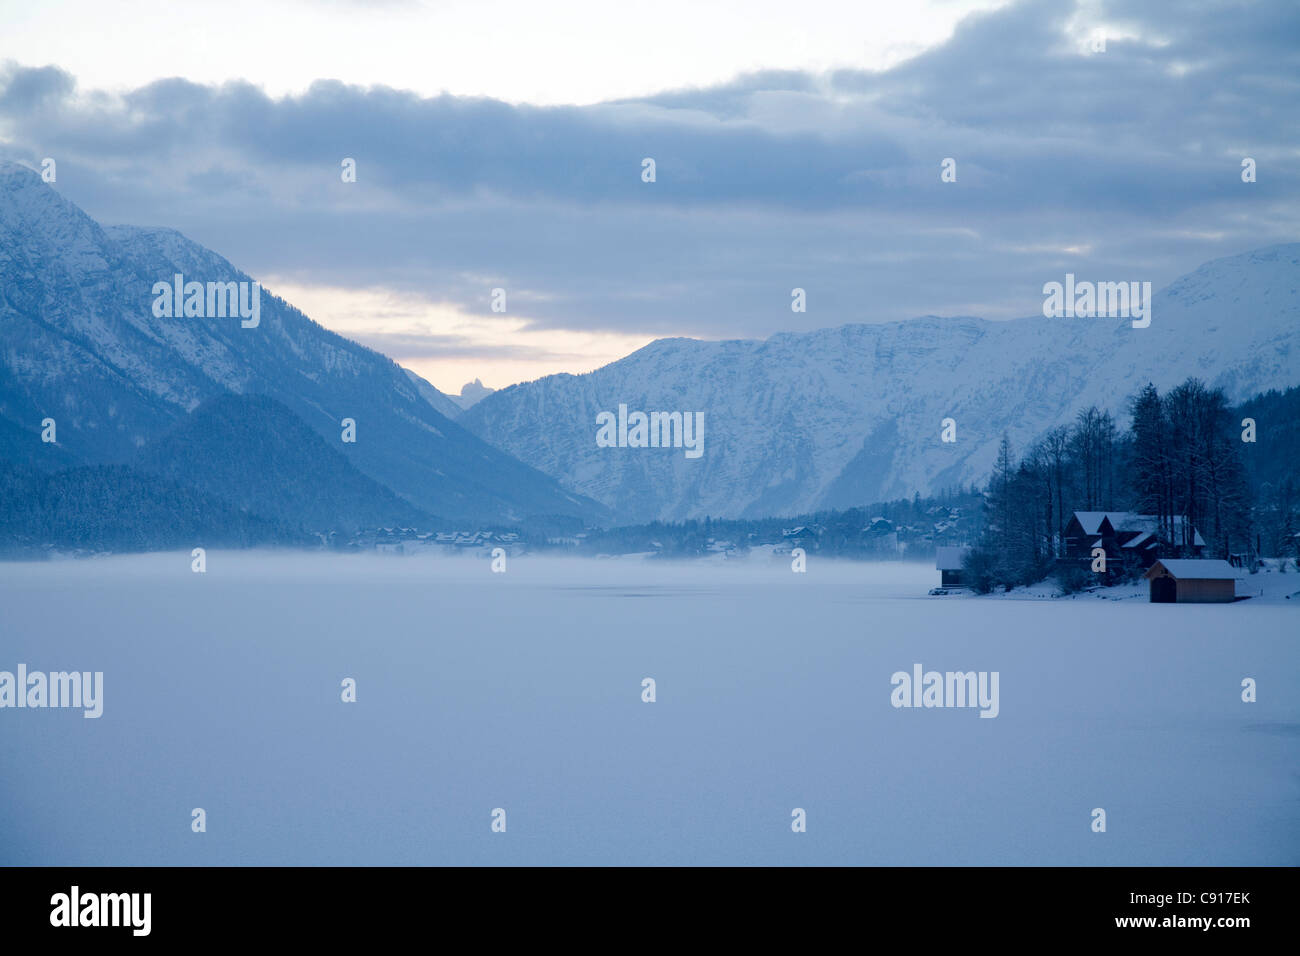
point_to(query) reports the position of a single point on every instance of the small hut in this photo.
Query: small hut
(1192, 581)
(948, 561)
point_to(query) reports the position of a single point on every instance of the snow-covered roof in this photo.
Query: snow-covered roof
(1196, 569)
(1141, 541)
(949, 558)
(1090, 521)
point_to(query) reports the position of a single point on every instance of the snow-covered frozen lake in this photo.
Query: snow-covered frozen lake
(523, 691)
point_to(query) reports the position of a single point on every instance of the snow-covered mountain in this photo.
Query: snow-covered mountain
(471, 393)
(443, 403)
(853, 414)
(80, 343)
(450, 405)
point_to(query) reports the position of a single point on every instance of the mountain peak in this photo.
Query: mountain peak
(473, 392)
(25, 197)
(14, 174)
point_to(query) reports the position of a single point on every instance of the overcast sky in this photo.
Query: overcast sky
(796, 145)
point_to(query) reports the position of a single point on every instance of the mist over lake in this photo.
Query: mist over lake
(523, 691)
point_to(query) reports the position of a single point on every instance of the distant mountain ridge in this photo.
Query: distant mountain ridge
(794, 424)
(842, 416)
(79, 343)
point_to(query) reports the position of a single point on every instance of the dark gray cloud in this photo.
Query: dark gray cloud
(27, 90)
(1119, 165)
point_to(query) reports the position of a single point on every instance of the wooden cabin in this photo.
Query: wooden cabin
(1192, 581)
(803, 536)
(1129, 540)
(948, 561)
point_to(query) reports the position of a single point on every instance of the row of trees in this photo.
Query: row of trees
(1187, 464)
(1179, 459)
